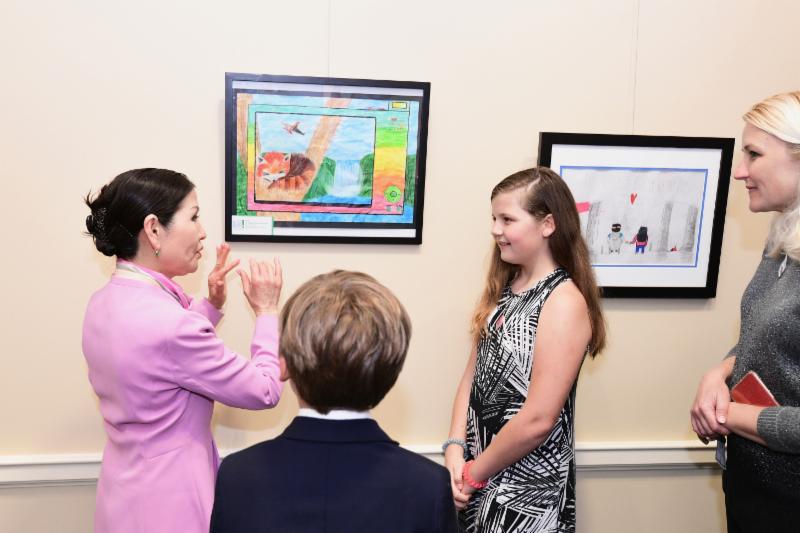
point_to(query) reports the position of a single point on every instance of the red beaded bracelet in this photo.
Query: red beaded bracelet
(477, 485)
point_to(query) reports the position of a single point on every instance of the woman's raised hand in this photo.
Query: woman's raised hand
(217, 288)
(262, 286)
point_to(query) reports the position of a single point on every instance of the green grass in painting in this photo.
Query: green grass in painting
(323, 180)
(241, 190)
(367, 168)
(411, 170)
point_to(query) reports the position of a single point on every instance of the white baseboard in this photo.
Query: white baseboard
(630, 455)
(83, 468)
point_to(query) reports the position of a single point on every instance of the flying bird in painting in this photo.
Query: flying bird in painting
(293, 128)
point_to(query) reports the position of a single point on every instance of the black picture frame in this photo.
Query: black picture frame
(324, 160)
(605, 172)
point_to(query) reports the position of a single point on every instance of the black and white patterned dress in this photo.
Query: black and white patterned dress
(537, 493)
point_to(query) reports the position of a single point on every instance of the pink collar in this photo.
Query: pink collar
(169, 286)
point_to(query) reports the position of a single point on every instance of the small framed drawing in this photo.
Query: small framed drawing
(652, 209)
(324, 159)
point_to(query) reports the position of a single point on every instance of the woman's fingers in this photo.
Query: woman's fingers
(701, 433)
(222, 254)
(715, 410)
(460, 499)
(266, 273)
(278, 270)
(245, 281)
(710, 407)
(262, 286)
(224, 270)
(263, 271)
(222, 267)
(255, 271)
(705, 423)
(700, 423)
(721, 410)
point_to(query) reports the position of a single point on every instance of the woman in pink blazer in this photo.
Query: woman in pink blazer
(155, 360)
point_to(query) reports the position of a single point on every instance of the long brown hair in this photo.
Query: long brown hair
(547, 194)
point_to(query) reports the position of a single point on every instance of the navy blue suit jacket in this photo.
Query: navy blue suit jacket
(332, 476)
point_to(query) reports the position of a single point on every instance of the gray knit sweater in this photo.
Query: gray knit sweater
(769, 344)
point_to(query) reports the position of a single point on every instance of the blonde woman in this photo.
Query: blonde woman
(762, 480)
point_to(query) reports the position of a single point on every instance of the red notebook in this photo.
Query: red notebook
(751, 390)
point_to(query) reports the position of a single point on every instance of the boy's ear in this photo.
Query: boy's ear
(284, 376)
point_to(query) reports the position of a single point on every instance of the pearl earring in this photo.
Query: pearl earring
(158, 251)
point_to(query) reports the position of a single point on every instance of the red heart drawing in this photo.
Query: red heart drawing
(634, 196)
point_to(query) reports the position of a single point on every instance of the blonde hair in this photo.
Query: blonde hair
(779, 115)
(344, 338)
(546, 194)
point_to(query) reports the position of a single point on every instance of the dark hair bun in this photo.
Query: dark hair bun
(97, 227)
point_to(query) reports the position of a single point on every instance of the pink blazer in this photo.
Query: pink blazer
(157, 369)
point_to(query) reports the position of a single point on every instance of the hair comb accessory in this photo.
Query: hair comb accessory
(96, 222)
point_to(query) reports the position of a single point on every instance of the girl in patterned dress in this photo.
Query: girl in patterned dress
(511, 448)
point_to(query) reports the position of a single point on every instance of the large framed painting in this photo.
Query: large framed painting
(324, 159)
(652, 208)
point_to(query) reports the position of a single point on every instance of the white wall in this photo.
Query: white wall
(92, 88)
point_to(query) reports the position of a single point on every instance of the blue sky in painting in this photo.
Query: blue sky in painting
(351, 138)
(354, 139)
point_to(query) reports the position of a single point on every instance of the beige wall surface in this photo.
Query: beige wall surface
(92, 88)
(619, 502)
(61, 509)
